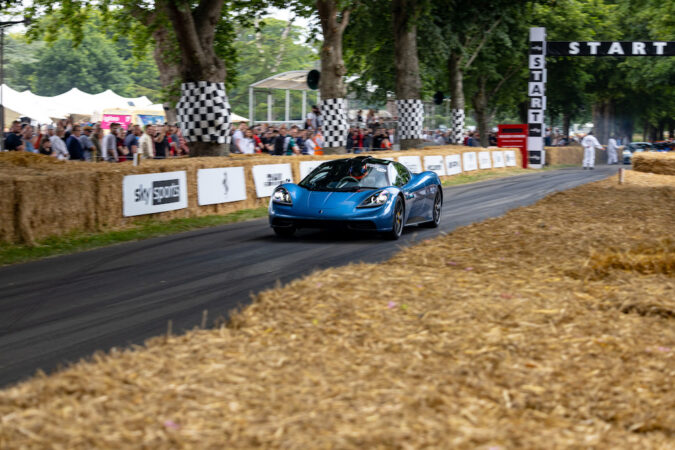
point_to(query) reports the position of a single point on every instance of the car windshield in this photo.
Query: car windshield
(347, 175)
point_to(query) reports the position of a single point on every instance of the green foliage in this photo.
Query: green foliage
(276, 46)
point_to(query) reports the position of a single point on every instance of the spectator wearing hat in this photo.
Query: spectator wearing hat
(87, 144)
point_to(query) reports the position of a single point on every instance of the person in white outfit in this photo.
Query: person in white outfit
(612, 149)
(590, 143)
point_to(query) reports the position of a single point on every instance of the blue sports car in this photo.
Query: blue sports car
(362, 193)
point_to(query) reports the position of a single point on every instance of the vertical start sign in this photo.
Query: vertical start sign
(536, 91)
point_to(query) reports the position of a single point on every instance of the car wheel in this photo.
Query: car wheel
(397, 221)
(284, 231)
(438, 204)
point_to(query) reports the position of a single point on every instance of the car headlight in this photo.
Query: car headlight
(377, 199)
(282, 196)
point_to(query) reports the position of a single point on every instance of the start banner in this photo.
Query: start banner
(152, 193)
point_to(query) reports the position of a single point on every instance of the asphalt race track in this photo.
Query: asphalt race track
(64, 308)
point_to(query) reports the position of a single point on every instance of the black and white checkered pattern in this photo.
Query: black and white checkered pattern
(203, 112)
(410, 118)
(458, 126)
(334, 123)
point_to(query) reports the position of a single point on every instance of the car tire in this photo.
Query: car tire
(284, 231)
(397, 221)
(438, 205)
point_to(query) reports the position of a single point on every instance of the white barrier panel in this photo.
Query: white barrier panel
(267, 177)
(220, 185)
(484, 161)
(498, 158)
(413, 163)
(470, 162)
(152, 193)
(435, 164)
(453, 164)
(510, 157)
(306, 167)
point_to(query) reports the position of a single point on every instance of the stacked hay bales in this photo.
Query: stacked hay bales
(45, 197)
(573, 155)
(512, 333)
(661, 163)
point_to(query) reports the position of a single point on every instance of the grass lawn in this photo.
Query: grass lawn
(80, 241)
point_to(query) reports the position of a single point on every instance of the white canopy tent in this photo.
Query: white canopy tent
(45, 109)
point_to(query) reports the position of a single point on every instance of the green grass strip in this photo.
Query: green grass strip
(145, 229)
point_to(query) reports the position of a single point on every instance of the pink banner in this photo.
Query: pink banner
(125, 121)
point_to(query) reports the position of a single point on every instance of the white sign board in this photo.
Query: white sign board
(434, 164)
(498, 158)
(453, 164)
(306, 167)
(221, 185)
(269, 176)
(413, 163)
(510, 157)
(484, 161)
(470, 161)
(152, 193)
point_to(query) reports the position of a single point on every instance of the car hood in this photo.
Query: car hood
(329, 199)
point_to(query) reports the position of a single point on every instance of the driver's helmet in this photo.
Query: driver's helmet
(358, 171)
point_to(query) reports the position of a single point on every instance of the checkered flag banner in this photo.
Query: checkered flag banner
(203, 112)
(334, 125)
(410, 118)
(458, 126)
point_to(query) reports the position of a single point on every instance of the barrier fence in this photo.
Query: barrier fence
(43, 197)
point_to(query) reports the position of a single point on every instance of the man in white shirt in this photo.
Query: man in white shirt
(313, 118)
(238, 139)
(590, 143)
(59, 149)
(612, 148)
(146, 146)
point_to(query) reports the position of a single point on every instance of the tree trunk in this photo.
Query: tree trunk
(331, 84)
(566, 126)
(201, 70)
(408, 81)
(457, 96)
(169, 71)
(480, 106)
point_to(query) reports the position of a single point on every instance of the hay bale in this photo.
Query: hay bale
(660, 163)
(491, 336)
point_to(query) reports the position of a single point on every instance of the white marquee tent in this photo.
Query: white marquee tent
(45, 109)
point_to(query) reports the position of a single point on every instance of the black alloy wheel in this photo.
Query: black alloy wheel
(397, 225)
(438, 205)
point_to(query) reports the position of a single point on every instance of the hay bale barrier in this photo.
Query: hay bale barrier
(538, 329)
(46, 197)
(661, 163)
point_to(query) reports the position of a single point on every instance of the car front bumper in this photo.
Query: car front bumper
(374, 219)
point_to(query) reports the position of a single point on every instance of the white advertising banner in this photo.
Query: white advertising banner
(434, 164)
(269, 176)
(306, 167)
(413, 163)
(221, 185)
(510, 157)
(484, 161)
(152, 193)
(470, 161)
(453, 164)
(498, 158)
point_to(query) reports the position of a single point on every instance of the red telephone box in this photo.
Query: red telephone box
(514, 136)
